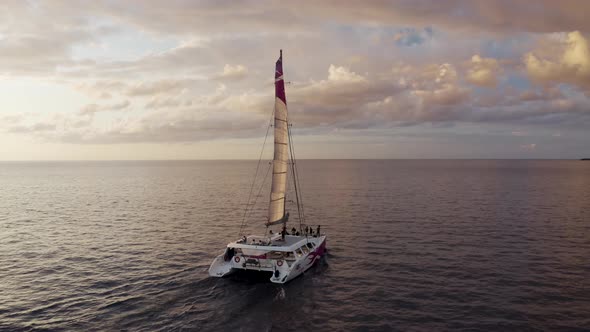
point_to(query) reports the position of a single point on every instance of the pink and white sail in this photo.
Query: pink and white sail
(276, 210)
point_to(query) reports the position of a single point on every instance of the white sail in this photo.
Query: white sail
(276, 210)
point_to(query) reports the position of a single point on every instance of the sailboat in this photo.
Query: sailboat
(285, 255)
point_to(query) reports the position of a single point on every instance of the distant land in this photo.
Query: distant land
(585, 159)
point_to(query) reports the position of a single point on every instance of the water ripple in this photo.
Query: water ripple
(413, 245)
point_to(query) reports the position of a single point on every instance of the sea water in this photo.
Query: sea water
(422, 245)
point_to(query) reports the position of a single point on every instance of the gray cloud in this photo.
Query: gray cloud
(182, 17)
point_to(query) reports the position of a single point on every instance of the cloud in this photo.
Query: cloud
(34, 128)
(105, 89)
(561, 61)
(546, 93)
(462, 15)
(15, 118)
(157, 103)
(234, 72)
(154, 88)
(342, 74)
(183, 125)
(483, 71)
(437, 85)
(39, 38)
(207, 83)
(91, 109)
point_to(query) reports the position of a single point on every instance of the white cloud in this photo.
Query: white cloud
(483, 71)
(564, 61)
(342, 74)
(235, 72)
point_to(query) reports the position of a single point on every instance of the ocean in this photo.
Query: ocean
(414, 245)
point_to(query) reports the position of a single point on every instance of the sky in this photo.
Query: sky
(120, 80)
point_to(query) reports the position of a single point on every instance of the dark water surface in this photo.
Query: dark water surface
(414, 245)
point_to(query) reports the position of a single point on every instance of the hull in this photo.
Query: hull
(284, 267)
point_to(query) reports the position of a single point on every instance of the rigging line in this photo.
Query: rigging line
(293, 169)
(292, 145)
(290, 166)
(297, 173)
(256, 173)
(259, 190)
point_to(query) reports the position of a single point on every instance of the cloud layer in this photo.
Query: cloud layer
(175, 71)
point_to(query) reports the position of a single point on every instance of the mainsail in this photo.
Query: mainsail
(276, 210)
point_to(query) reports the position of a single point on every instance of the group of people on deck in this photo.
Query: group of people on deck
(308, 231)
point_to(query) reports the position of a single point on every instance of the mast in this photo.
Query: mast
(276, 209)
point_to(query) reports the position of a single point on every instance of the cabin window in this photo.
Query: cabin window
(298, 252)
(310, 245)
(289, 256)
(305, 250)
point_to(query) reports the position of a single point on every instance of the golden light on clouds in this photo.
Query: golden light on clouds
(178, 80)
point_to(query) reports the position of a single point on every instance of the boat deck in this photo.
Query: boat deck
(276, 243)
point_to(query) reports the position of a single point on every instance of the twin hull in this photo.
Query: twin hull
(283, 268)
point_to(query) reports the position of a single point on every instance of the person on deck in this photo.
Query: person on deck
(293, 230)
(318, 230)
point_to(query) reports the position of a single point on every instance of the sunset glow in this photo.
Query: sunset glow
(194, 80)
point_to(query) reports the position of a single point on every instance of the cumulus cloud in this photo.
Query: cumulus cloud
(437, 85)
(561, 61)
(235, 72)
(342, 74)
(483, 71)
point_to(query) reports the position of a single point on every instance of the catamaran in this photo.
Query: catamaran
(286, 255)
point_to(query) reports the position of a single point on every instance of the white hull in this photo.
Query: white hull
(285, 259)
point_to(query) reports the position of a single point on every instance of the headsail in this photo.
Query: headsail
(276, 210)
